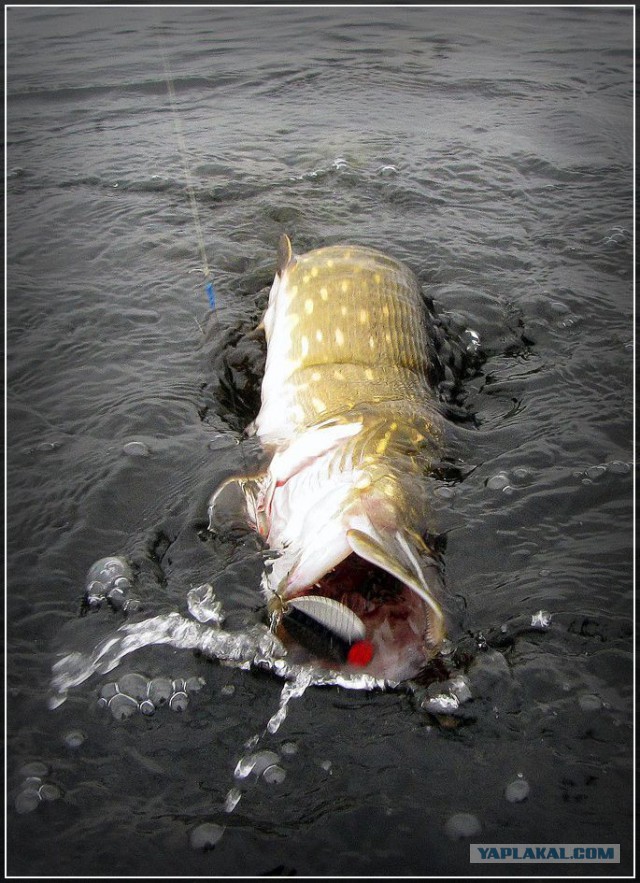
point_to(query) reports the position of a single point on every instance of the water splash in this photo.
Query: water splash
(257, 646)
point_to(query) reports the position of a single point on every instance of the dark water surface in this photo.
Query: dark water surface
(491, 149)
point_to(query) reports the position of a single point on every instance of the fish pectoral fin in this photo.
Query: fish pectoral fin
(392, 551)
(237, 503)
(285, 254)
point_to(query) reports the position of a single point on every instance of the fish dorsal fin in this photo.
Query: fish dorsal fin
(285, 254)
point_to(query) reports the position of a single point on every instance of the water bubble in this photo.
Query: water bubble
(109, 691)
(541, 619)
(50, 791)
(27, 801)
(194, 685)
(32, 782)
(160, 690)
(178, 685)
(289, 748)
(387, 171)
(326, 766)
(590, 702)
(117, 598)
(521, 474)
(136, 449)
(462, 825)
(104, 576)
(595, 472)
(122, 706)
(133, 684)
(274, 775)
(498, 482)
(473, 340)
(446, 647)
(460, 687)
(147, 707)
(74, 738)
(34, 768)
(517, 791)
(232, 799)
(618, 467)
(262, 760)
(122, 583)
(205, 836)
(179, 701)
(46, 447)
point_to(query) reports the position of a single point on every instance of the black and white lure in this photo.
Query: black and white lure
(328, 629)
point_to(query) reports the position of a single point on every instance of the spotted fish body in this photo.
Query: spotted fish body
(350, 422)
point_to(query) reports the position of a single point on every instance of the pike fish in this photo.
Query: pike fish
(351, 426)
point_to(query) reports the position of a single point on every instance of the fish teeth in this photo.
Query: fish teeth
(333, 615)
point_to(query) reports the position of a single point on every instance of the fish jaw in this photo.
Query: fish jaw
(340, 542)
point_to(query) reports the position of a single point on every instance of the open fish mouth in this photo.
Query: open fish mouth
(359, 616)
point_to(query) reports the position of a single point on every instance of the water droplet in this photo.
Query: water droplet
(541, 619)
(462, 825)
(274, 775)
(517, 791)
(244, 767)
(136, 449)
(147, 707)
(203, 606)
(205, 836)
(232, 799)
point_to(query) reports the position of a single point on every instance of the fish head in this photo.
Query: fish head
(370, 585)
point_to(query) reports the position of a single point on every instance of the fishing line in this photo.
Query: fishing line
(208, 287)
(182, 146)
